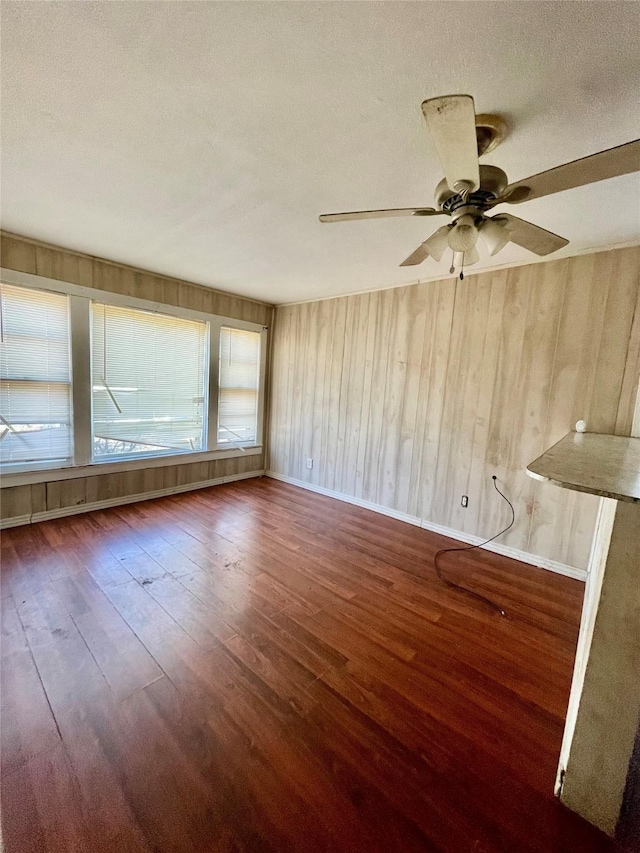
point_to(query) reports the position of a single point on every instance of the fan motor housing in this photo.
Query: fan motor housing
(493, 182)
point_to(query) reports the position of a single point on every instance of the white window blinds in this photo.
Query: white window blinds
(148, 374)
(238, 386)
(35, 381)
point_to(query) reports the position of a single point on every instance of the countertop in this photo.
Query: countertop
(606, 465)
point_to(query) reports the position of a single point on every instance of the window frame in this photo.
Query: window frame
(82, 464)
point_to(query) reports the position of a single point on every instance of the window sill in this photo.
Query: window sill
(49, 475)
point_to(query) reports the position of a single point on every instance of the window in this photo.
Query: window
(35, 380)
(148, 373)
(238, 386)
(92, 380)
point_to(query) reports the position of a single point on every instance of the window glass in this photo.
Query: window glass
(238, 392)
(35, 377)
(148, 383)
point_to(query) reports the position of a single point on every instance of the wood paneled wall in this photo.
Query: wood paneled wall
(18, 253)
(411, 397)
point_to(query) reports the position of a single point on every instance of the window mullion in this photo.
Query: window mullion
(79, 308)
(262, 383)
(214, 373)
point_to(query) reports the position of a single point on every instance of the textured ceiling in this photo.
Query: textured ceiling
(202, 140)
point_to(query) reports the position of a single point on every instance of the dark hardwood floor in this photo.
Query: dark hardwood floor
(253, 667)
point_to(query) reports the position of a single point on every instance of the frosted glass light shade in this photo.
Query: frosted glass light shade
(495, 236)
(437, 244)
(471, 257)
(464, 235)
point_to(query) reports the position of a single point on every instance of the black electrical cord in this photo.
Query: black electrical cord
(470, 548)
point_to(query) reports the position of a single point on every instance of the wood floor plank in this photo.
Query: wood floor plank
(12, 632)
(123, 660)
(82, 544)
(85, 711)
(239, 585)
(189, 612)
(28, 725)
(253, 668)
(264, 634)
(43, 809)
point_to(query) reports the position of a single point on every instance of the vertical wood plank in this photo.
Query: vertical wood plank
(547, 283)
(15, 501)
(355, 392)
(370, 310)
(17, 254)
(409, 434)
(377, 422)
(433, 387)
(622, 295)
(336, 371)
(394, 381)
(631, 381)
(480, 484)
(64, 266)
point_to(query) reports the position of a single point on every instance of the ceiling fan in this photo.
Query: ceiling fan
(469, 190)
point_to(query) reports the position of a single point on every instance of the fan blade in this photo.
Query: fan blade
(452, 122)
(417, 257)
(588, 170)
(378, 214)
(531, 236)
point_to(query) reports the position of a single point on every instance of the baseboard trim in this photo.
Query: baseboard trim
(507, 551)
(61, 512)
(460, 536)
(383, 510)
(14, 521)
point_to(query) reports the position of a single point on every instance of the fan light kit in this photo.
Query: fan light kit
(469, 189)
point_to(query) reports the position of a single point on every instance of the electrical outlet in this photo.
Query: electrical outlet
(309, 463)
(465, 501)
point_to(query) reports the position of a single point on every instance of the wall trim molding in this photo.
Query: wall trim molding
(496, 547)
(91, 506)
